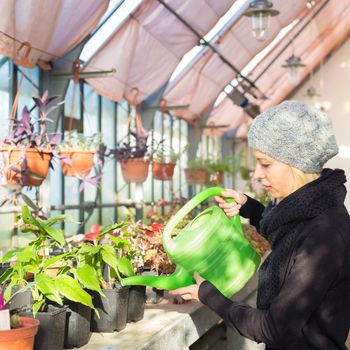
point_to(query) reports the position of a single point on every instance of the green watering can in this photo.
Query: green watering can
(211, 244)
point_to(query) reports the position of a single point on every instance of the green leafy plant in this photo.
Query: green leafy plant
(77, 141)
(197, 164)
(29, 266)
(104, 254)
(211, 169)
(220, 165)
(164, 153)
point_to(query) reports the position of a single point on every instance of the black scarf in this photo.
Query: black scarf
(282, 223)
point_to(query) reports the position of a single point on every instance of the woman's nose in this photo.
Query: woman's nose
(258, 173)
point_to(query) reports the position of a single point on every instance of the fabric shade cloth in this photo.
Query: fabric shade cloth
(227, 115)
(200, 85)
(51, 28)
(147, 47)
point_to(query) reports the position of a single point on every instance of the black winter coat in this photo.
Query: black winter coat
(312, 307)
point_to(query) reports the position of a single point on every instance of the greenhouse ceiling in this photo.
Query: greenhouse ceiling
(198, 56)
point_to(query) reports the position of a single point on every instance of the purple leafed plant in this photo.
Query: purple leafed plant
(136, 147)
(29, 131)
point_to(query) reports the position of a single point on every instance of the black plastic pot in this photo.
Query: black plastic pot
(4, 267)
(113, 310)
(77, 332)
(51, 329)
(154, 295)
(136, 305)
(21, 300)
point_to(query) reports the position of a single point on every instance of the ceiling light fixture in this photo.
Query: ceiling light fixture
(311, 92)
(293, 65)
(260, 11)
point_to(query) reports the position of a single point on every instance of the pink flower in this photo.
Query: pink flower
(2, 302)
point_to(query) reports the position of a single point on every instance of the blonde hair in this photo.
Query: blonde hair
(301, 178)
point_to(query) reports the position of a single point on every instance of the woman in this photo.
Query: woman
(304, 284)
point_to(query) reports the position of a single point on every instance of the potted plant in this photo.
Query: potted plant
(19, 332)
(196, 172)
(106, 254)
(27, 150)
(132, 154)
(76, 153)
(216, 168)
(123, 239)
(45, 290)
(149, 255)
(137, 294)
(164, 160)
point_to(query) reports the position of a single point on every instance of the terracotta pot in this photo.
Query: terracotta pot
(21, 338)
(196, 176)
(135, 169)
(81, 162)
(37, 162)
(215, 179)
(163, 171)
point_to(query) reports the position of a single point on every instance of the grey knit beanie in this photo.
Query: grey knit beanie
(294, 133)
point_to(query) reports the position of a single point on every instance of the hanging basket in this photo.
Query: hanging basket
(37, 165)
(135, 169)
(79, 162)
(196, 176)
(163, 171)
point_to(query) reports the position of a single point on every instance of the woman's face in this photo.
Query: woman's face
(276, 177)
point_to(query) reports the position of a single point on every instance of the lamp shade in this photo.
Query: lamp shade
(293, 65)
(260, 11)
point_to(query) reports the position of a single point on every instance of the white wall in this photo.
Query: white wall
(335, 96)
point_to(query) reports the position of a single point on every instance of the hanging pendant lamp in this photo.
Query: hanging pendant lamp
(311, 92)
(260, 11)
(293, 65)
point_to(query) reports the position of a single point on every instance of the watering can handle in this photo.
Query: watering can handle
(168, 242)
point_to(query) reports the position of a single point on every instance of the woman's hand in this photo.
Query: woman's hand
(231, 209)
(189, 292)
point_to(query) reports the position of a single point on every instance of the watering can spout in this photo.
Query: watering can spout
(180, 278)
